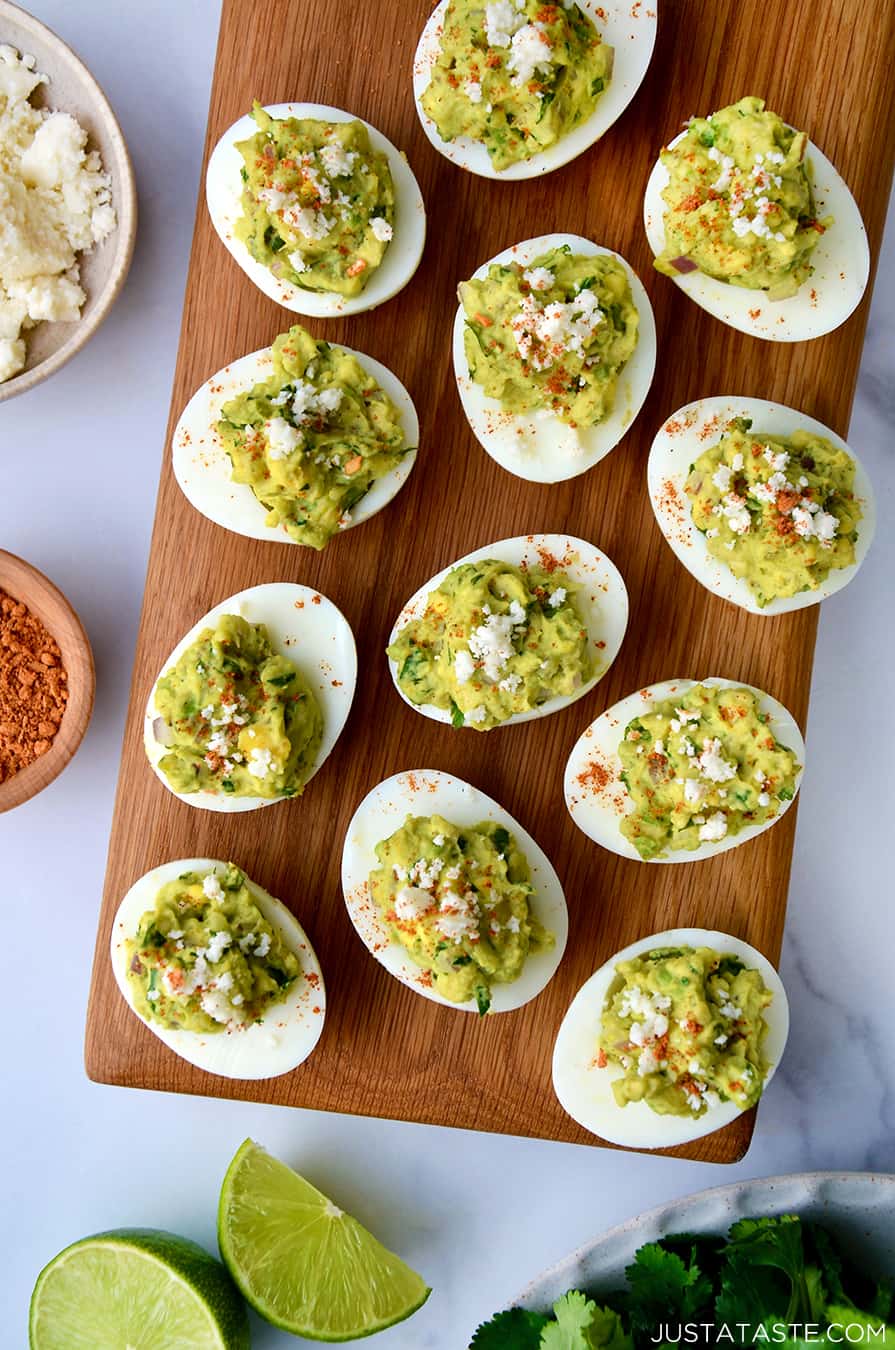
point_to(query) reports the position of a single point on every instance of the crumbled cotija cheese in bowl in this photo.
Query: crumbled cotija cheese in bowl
(55, 202)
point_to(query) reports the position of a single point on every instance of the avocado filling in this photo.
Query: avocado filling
(740, 201)
(779, 511)
(493, 641)
(515, 75)
(458, 899)
(555, 335)
(318, 202)
(701, 767)
(312, 439)
(237, 717)
(686, 1027)
(204, 958)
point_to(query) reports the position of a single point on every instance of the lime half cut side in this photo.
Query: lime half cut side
(136, 1289)
(301, 1262)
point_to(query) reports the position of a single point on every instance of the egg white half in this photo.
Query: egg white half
(629, 29)
(537, 445)
(841, 262)
(585, 1091)
(303, 626)
(223, 191)
(601, 598)
(427, 792)
(679, 443)
(597, 799)
(290, 1029)
(202, 466)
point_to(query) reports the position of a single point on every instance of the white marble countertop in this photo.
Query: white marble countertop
(81, 1157)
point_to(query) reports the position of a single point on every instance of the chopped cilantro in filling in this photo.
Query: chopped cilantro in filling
(779, 511)
(515, 75)
(494, 640)
(686, 1027)
(312, 439)
(458, 900)
(318, 202)
(700, 767)
(554, 335)
(740, 201)
(236, 716)
(204, 958)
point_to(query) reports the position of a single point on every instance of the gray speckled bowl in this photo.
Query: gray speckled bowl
(858, 1206)
(73, 89)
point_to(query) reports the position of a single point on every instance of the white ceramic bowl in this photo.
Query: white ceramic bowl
(859, 1207)
(73, 89)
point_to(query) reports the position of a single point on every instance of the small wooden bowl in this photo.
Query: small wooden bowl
(24, 583)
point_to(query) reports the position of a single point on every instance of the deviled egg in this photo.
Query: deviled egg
(684, 769)
(671, 1039)
(514, 88)
(554, 353)
(218, 969)
(767, 507)
(296, 442)
(252, 700)
(754, 223)
(515, 630)
(318, 208)
(451, 894)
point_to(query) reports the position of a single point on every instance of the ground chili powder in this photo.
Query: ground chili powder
(33, 687)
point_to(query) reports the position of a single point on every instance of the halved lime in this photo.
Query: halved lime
(136, 1289)
(301, 1262)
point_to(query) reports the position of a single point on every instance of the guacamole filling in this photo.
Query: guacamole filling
(318, 202)
(236, 717)
(554, 335)
(313, 438)
(493, 641)
(205, 959)
(458, 899)
(740, 201)
(701, 767)
(685, 1025)
(515, 75)
(779, 511)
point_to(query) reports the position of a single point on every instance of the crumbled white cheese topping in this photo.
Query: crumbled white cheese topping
(411, 902)
(715, 828)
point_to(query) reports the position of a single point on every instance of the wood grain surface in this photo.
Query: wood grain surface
(31, 588)
(385, 1051)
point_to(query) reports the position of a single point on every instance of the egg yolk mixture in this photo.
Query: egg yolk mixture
(700, 767)
(205, 958)
(555, 335)
(740, 201)
(493, 640)
(237, 717)
(780, 512)
(318, 202)
(458, 900)
(312, 439)
(686, 1027)
(515, 75)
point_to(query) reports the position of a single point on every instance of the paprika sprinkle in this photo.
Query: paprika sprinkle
(33, 687)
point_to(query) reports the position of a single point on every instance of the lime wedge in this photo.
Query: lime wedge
(303, 1264)
(136, 1289)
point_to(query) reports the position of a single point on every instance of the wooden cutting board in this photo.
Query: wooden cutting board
(385, 1051)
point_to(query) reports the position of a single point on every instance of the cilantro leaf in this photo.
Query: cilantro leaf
(764, 1274)
(581, 1325)
(852, 1317)
(661, 1284)
(515, 1329)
